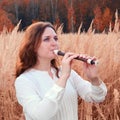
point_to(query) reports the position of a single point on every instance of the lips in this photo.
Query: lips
(53, 51)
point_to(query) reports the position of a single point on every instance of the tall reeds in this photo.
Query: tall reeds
(106, 47)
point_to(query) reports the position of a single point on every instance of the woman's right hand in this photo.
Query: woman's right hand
(66, 64)
(66, 68)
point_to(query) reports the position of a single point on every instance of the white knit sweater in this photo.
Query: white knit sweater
(42, 99)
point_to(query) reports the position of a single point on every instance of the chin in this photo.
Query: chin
(52, 57)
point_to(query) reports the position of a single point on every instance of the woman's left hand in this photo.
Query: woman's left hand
(91, 71)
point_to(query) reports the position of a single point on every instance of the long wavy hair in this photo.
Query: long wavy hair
(27, 57)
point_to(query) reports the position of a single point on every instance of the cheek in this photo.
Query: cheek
(42, 50)
(58, 46)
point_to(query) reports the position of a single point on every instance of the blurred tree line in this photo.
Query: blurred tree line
(70, 13)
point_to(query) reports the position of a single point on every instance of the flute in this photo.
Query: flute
(89, 61)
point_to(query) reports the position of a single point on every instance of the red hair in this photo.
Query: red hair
(28, 51)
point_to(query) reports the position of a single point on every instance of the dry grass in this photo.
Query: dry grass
(106, 47)
(9, 44)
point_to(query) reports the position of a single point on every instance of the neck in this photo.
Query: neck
(43, 65)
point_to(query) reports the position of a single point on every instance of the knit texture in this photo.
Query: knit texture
(42, 99)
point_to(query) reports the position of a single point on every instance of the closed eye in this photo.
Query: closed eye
(46, 39)
(56, 38)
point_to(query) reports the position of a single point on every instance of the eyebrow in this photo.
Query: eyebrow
(49, 36)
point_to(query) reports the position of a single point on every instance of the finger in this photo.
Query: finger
(87, 56)
(72, 57)
(68, 54)
(94, 58)
(82, 55)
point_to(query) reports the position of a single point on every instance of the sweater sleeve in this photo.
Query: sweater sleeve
(34, 106)
(87, 91)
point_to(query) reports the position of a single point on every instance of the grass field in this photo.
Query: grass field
(106, 47)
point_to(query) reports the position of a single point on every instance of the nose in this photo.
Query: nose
(54, 42)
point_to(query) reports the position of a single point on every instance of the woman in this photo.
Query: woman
(48, 92)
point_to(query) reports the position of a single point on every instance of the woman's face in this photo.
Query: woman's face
(49, 43)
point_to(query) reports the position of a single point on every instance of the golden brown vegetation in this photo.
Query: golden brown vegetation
(106, 47)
